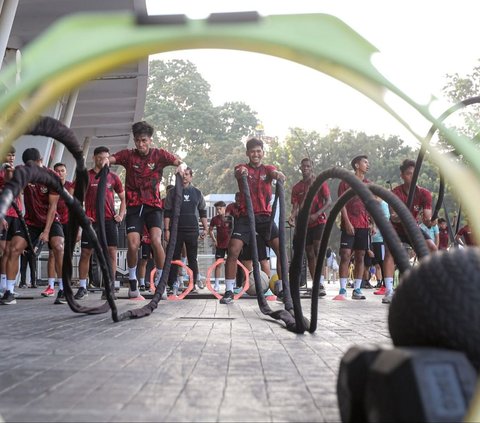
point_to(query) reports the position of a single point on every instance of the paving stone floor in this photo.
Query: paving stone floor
(191, 360)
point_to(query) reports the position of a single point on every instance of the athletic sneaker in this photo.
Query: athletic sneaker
(380, 291)
(8, 298)
(142, 288)
(387, 299)
(237, 290)
(48, 292)
(133, 289)
(322, 292)
(200, 284)
(22, 285)
(342, 295)
(81, 293)
(60, 298)
(357, 294)
(217, 287)
(227, 298)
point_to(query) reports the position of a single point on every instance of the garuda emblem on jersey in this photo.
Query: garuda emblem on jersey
(43, 190)
(151, 166)
(186, 197)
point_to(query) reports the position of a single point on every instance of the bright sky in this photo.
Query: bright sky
(420, 42)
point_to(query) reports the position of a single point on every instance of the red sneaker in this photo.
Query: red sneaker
(48, 292)
(380, 291)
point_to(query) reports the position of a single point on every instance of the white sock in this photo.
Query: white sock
(132, 273)
(83, 283)
(142, 281)
(358, 284)
(158, 273)
(10, 285)
(60, 284)
(322, 278)
(389, 284)
(3, 282)
(51, 283)
(229, 284)
(343, 283)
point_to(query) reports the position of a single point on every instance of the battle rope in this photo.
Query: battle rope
(421, 156)
(373, 207)
(283, 315)
(147, 309)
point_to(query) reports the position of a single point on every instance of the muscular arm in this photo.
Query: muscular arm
(123, 207)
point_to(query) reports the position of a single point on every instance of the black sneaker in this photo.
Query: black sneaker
(60, 298)
(81, 293)
(22, 285)
(142, 288)
(33, 285)
(104, 296)
(227, 298)
(8, 298)
(321, 291)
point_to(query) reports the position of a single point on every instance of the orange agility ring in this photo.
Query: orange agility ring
(219, 261)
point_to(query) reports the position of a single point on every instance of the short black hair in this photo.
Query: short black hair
(58, 165)
(254, 142)
(406, 164)
(441, 220)
(306, 159)
(101, 149)
(189, 169)
(12, 150)
(31, 154)
(356, 159)
(220, 204)
(142, 127)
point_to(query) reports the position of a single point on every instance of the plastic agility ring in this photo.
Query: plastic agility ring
(190, 282)
(219, 261)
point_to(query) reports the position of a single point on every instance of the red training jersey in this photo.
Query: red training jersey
(299, 192)
(36, 199)
(143, 175)
(62, 208)
(356, 210)
(443, 238)
(114, 185)
(260, 183)
(223, 224)
(10, 211)
(232, 210)
(466, 232)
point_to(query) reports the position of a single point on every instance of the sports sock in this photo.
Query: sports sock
(132, 273)
(389, 284)
(358, 284)
(343, 283)
(83, 283)
(229, 284)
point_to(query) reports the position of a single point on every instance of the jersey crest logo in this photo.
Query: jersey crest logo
(151, 166)
(263, 177)
(43, 190)
(186, 197)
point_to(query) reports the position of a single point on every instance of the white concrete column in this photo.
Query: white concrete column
(7, 16)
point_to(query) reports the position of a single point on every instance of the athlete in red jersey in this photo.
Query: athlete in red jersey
(112, 218)
(443, 235)
(223, 225)
(355, 228)
(259, 177)
(317, 217)
(144, 169)
(422, 205)
(468, 237)
(10, 223)
(43, 224)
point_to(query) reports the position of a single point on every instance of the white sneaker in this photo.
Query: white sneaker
(217, 287)
(387, 299)
(133, 294)
(200, 284)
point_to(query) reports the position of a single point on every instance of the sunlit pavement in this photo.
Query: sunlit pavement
(191, 360)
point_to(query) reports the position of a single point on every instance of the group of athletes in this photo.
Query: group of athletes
(141, 206)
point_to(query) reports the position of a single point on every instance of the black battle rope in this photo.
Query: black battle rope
(280, 198)
(102, 234)
(373, 207)
(423, 150)
(50, 127)
(147, 309)
(34, 173)
(283, 315)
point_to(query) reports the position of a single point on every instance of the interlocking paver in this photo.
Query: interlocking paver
(193, 360)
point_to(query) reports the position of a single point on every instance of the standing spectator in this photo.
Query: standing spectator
(316, 219)
(193, 208)
(223, 225)
(378, 248)
(433, 232)
(112, 218)
(259, 179)
(443, 235)
(355, 229)
(43, 225)
(422, 202)
(144, 170)
(465, 232)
